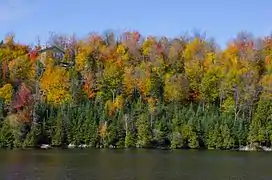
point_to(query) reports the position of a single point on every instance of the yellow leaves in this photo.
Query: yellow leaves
(49, 62)
(112, 77)
(228, 105)
(81, 60)
(103, 48)
(147, 44)
(9, 39)
(144, 82)
(85, 49)
(198, 59)
(151, 105)
(103, 127)
(176, 87)
(128, 81)
(210, 83)
(121, 49)
(123, 55)
(230, 57)
(21, 68)
(55, 82)
(194, 72)
(13, 120)
(6, 93)
(193, 49)
(110, 107)
(209, 60)
(266, 82)
(111, 71)
(137, 78)
(158, 65)
(232, 50)
(117, 104)
(268, 64)
(267, 60)
(12, 50)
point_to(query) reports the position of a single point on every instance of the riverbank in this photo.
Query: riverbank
(84, 146)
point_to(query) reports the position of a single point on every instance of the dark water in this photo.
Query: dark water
(133, 164)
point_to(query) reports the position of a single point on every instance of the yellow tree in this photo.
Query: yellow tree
(212, 76)
(6, 93)
(142, 76)
(10, 51)
(194, 55)
(266, 80)
(239, 85)
(21, 69)
(128, 83)
(176, 87)
(55, 82)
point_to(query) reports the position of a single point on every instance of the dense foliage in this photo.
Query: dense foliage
(131, 91)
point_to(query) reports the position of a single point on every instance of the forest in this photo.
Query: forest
(130, 91)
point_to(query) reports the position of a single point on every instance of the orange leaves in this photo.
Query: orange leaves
(142, 78)
(129, 67)
(95, 39)
(88, 88)
(113, 106)
(33, 56)
(136, 36)
(91, 95)
(24, 115)
(128, 81)
(232, 50)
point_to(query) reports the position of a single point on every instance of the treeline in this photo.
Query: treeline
(130, 91)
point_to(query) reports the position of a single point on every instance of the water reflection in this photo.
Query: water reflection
(133, 164)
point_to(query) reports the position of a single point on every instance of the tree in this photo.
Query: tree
(144, 136)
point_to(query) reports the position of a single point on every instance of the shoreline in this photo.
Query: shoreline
(83, 146)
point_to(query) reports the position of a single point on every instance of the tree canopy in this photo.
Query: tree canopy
(135, 91)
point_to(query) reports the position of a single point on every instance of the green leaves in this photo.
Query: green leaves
(128, 92)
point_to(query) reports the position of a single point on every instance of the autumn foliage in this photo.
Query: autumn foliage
(118, 74)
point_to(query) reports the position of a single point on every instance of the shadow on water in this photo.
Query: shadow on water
(106, 164)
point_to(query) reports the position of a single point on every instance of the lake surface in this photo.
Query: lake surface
(140, 164)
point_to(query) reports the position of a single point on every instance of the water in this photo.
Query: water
(133, 164)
